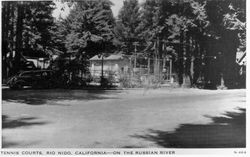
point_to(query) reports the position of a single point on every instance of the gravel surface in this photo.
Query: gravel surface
(120, 118)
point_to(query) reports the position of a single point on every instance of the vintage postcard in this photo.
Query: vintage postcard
(123, 77)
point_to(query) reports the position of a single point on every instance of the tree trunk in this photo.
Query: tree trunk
(19, 39)
(4, 43)
(180, 66)
(5, 37)
(189, 61)
(230, 71)
(12, 27)
(186, 82)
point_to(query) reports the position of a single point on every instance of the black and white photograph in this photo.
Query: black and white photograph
(123, 75)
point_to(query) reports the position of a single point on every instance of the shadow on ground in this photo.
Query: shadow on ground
(226, 131)
(8, 144)
(8, 123)
(40, 97)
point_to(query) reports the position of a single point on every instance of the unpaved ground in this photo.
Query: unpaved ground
(111, 119)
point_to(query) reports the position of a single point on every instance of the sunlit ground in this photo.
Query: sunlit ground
(178, 118)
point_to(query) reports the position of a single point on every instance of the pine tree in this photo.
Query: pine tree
(127, 25)
(91, 27)
(26, 25)
(85, 32)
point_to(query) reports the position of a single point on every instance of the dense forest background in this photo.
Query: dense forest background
(202, 36)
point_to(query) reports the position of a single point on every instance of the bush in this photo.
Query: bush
(130, 82)
(152, 81)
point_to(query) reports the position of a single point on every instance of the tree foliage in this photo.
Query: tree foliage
(127, 25)
(88, 30)
(201, 36)
(200, 31)
(91, 27)
(26, 28)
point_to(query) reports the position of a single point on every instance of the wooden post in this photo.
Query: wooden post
(192, 70)
(135, 44)
(135, 61)
(148, 66)
(170, 71)
(131, 67)
(155, 66)
(140, 70)
(164, 63)
(159, 69)
(102, 66)
(163, 70)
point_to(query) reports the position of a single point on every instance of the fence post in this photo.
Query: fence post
(140, 70)
(159, 68)
(131, 67)
(170, 71)
(148, 66)
(164, 63)
(135, 62)
(164, 70)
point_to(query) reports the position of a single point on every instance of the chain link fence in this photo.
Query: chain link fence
(150, 73)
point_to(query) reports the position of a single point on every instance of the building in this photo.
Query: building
(39, 63)
(241, 58)
(115, 65)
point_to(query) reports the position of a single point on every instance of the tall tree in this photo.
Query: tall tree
(127, 25)
(37, 25)
(152, 29)
(227, 23)
(91, 27)
(200, 29)
(26, 25)
(85, 32)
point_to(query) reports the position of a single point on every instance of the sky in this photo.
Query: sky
(118, 5)
(115, 8)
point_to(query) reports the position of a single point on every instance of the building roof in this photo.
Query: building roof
(115, 57)
(241, 58)
(111, 57)
(95, 58)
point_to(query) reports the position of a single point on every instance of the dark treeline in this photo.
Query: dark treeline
(25, 28)
(201, 36)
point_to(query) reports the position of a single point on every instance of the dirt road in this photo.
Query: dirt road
(123, 118)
